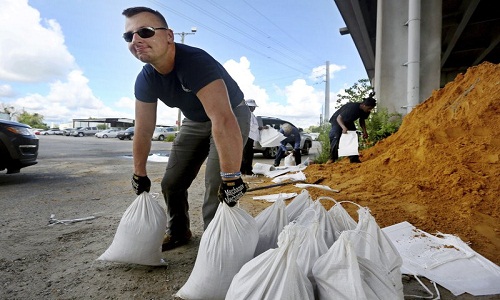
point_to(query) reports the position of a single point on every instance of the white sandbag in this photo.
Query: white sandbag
(341, 218)
(337, 273)
(313, 245)
(270, 137)
(289, 160)
(376, 283)
(348, 144)
(263, 169)
(274, 274)
(298, 204)
(270, 223)
(226, 245)
(299, 176)
(274, 197)
(139, 235)
(374, 244)
(326, 225)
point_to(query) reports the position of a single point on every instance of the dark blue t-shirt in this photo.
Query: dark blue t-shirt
(193, 69)
(350, 112)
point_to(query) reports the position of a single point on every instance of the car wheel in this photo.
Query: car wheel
(161, 138)
(104, 136)
(307, 146)
(270, 152)
(80, 134)
(121, 139)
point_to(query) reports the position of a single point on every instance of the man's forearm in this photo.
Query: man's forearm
(229, 143)
(140, 151)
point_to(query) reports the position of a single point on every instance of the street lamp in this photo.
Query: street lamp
(183, 34)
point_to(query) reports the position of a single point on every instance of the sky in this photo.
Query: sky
(66, 59)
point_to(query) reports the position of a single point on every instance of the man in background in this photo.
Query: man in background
(292, 137)
(343, 120)
(253, 135)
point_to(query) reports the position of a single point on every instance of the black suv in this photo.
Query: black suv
(126, 134)
(270, 152)
(18, 146)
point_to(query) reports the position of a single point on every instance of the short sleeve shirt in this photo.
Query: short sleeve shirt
(193, 70)
(350, 112)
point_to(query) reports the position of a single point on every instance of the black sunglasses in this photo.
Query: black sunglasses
(145, 32)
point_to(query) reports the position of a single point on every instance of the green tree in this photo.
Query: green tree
(380, 125)
(359, 90)
(34, 120)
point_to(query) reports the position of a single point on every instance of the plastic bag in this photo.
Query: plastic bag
(226, 245)
(348, 144)
(270, 223)
(275, 273)
(139, 234)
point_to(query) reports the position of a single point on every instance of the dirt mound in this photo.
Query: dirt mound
(440, 171)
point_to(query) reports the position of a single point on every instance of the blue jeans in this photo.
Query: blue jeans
(192, 146)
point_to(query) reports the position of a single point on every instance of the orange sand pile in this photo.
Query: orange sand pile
(440, 171)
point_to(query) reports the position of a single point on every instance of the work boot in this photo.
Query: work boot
(172, 241)
(354, 159)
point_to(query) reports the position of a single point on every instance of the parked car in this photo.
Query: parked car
(108, 133)
(270, 152)
(126, 134)
(161, 133)
(36, 130)
(85, 131)
(68, 131)
(314, 135)
(18, 146)
(52, 131)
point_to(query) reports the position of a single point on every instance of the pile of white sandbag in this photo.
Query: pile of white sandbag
(300, 251)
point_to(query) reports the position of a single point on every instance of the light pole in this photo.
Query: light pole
(183, 34)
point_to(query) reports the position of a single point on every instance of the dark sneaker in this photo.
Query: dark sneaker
(171, 241)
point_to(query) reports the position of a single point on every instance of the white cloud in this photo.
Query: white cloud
(71, 99)
(6, 91)
(242, 74)
(302, 104)
(319, 73)
(31, 51)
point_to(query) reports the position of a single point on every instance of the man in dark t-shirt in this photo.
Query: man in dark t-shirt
(214, 130)
(343, 120)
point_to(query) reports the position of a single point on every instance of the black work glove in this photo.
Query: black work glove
(231, 191)
(140, 184)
